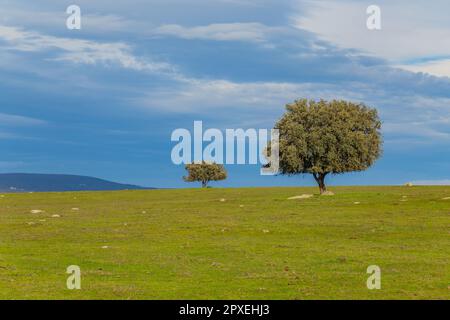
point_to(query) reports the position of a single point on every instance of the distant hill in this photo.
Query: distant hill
(29, 182)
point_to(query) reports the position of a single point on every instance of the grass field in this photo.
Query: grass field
(187, 244)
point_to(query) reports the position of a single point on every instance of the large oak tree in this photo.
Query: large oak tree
(328, 137)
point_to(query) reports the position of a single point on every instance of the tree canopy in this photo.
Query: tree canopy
(328, 137)
(205, 172)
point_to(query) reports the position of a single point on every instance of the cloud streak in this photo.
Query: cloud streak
(79, 50)
(249, 32)
(15, 120)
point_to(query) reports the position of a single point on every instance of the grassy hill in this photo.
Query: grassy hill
(254, 244)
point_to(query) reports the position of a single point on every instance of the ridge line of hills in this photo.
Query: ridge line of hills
(35, 182)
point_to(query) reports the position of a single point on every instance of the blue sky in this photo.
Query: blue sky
(104, 100)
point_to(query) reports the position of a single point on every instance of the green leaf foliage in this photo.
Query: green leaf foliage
(321, 137)
(205, 172)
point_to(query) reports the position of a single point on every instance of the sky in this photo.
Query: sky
(103, 100)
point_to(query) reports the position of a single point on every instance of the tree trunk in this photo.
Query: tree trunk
(320, 179)
(204, 184)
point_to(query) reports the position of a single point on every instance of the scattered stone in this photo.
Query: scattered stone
(30, 223)
(328, 193)
(144, 211)
(36, 211)
(265, 231)
(105, 247)
(446, 198)
(303, 196)
(56, 216)
(222, 200)
(356, 202)
(42, 220)
(75, 209)
(241, 206)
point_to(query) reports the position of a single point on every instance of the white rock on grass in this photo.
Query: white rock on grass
(75, 209)
(356, 202)
(223, 200)
(105, 247)
(446, 198)
(303, 196)
(37, 211)
(328, 193)
(56, 216)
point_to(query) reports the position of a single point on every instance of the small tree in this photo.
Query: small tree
(205, 172)
(321, 137)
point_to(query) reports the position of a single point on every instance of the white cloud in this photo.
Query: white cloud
(196, 96)
(435, 67)
(410, 30)
(96, 24)
(404, 115)
(416, 130)
(14, 120)
(79, 50)
(252, 31)
(11, 121)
